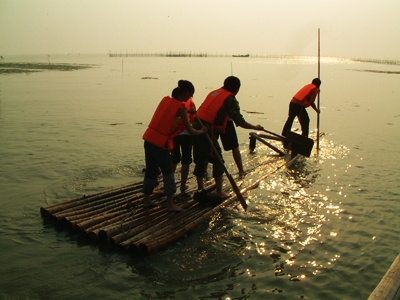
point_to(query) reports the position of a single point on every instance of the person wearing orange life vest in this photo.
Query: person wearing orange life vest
(158, 142)
(214, 112)
(297, 107)
(182, 152)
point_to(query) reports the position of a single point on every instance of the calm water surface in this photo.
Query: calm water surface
(326, 227)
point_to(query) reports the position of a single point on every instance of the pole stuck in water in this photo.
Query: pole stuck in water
(319, 77)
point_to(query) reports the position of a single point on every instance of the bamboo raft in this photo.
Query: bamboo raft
(117, 218)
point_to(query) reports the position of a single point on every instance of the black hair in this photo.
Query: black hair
(184, 86)
(316, 82)
(232, 84)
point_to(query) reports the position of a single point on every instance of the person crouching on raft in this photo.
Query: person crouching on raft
(158, 142)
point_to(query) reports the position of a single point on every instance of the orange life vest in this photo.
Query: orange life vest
(302, 94)
(210, 107)
(164, 125)
(188, 104)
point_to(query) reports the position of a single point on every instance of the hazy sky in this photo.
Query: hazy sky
(349, 28)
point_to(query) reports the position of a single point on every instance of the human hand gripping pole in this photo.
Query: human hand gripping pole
(233, 183)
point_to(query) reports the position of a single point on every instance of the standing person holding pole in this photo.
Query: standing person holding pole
(297, 107)
(214, 112)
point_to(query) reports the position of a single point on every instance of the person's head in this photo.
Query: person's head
(232, 84)
(316, 82)
(184, 91)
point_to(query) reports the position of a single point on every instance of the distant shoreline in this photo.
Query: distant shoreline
(18, 67)
(204, 54)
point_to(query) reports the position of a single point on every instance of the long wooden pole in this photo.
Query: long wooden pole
(233, 183)
(318, 101)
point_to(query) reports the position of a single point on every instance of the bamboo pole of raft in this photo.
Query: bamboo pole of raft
(63, 206)
(173, 222)
(160, 229)
(108, 224)
(124, 187)
(131, 233)
(82, 225)
(91, 206)
(318, 101)
(192, 206)
(108, 218)
(233, 183)
(172, 236)
(97, 204)
(85, 201)
(97, 210)
(124, 223)
(53, 208)
(92, 218)
(115, 229)
(94, 201)
(129, 222)
(88, 220)
(129, 237)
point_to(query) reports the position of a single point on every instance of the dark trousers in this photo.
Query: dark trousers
(158, 158)
(299, 111)
(182, 149)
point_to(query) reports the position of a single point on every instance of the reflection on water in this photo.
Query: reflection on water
(285, 223)
(296, 213)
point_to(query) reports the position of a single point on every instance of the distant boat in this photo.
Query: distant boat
(244, 55)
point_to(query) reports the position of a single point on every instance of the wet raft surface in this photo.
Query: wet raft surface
(116, 217)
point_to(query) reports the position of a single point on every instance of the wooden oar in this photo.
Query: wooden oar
(233, 183)
(282, 138)
(266, 143)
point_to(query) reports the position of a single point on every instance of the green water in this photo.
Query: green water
(325, 228)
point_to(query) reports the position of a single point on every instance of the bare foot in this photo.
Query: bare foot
(158, 192)
(242, 174)
(174, 207)
(223, 195)
(184, 188)
(149, 204)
